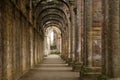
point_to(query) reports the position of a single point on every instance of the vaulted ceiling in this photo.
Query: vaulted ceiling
(52, 12)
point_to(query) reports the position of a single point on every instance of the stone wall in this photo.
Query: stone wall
(20, 43)
(1, 40)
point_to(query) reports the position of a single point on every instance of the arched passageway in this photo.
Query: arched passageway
(85, 34)
(53, 40)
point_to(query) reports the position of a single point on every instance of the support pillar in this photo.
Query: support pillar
(1, 39)
(31, 47)
(114, 31)
(72, 31)
(78, 28)
(88, 72)
(88, 15)
(105, 39)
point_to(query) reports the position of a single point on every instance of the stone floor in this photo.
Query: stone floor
(52, 68)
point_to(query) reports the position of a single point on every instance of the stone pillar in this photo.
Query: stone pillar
(105, 41)
(114, 31)
(73, 25)
(7, 42)
(69, 39)
(34, 46)
(30, 12)
(31, 47)
(1, 47)
(36, 52)
(63, 46)
(78, 29)
(88, 72)
(45, 45)
(23, 45)
(71, 35)
(60, 43)
(77, 35)
(1, 39)
(88, 25)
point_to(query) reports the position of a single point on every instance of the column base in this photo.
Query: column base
(90, 73)
(69, 61)
(115, 79)
(76, 66)
(63, 57)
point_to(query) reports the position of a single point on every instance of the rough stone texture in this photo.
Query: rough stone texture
(111, 36)
(52, 68)
(105, 62)
(80, 20)
(73, 27)
(21, 45)
(88, 27)
(114, 36)
(19, 50)
(1, 39)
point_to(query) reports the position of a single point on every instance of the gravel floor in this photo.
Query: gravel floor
(52, 68)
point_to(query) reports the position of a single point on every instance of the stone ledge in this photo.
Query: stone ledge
(76, 67)
(91, 73)
(115, 79)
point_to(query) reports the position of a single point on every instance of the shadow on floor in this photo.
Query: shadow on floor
(52, 68)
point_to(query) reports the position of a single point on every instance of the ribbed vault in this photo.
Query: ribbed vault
(52, 12)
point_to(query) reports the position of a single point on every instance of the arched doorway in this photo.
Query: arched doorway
(53, 41)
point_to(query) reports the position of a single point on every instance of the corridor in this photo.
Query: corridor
(85, 33)
(52, 68)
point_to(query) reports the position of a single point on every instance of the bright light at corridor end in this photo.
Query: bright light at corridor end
(53, 41)
(52, 36)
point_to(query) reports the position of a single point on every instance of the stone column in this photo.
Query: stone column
(88, 72)
(7, 55)
(114, 37)
(45, 45)
(73, 30)
(69, 39)
(36, 45)
(63, 46)
(78, 29)
(1, 47)
(88, 25)
(60, 44)
(77, 35)
(1, 39)
(105, 41)
(30, 12)
(23, 45)
(31, 47)
(70, 33)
